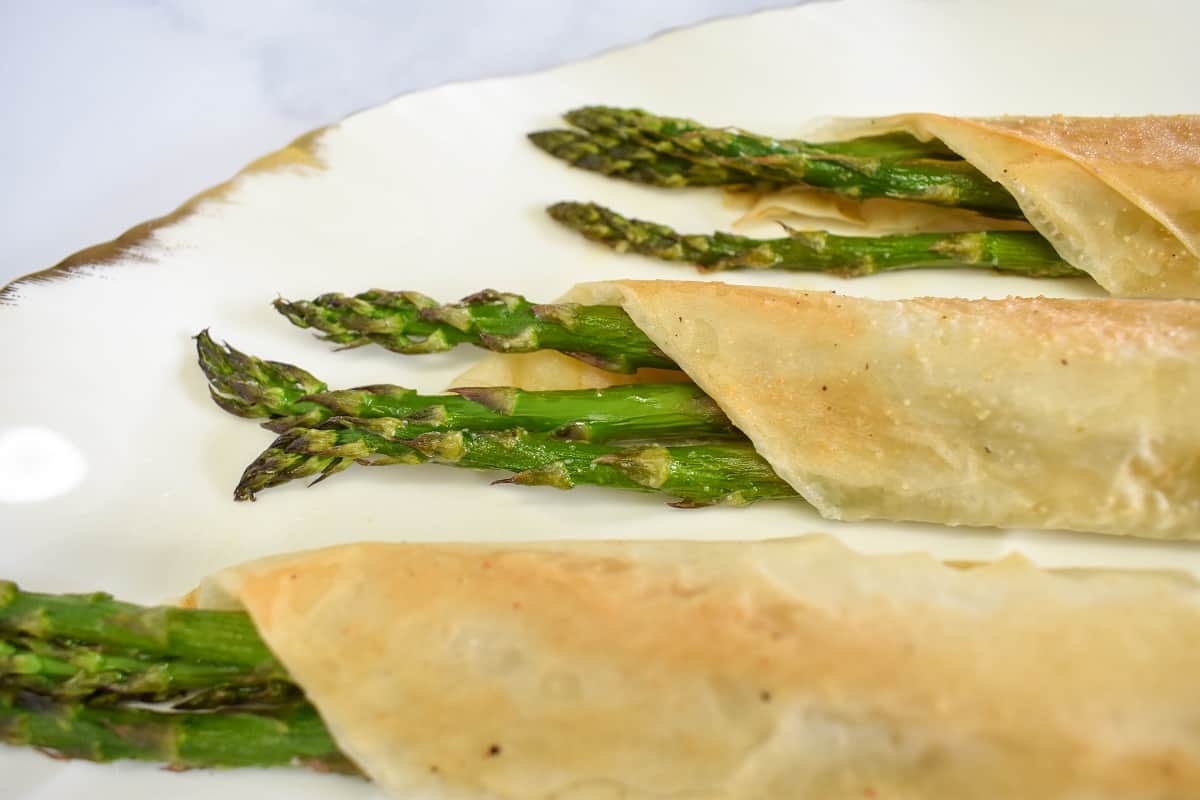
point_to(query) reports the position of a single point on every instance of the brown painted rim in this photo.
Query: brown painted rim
(301, 152)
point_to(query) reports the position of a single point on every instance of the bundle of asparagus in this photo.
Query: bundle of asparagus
(673, 152)
(85, 676)
(841, 397)
(669, 438)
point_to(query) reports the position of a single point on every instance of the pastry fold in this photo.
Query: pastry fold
(1025, 412)
(780, 669)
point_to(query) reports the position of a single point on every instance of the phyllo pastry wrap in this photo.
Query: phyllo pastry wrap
(1024, 412)
(779, 669)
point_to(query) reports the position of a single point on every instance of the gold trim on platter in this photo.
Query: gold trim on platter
(300, 152)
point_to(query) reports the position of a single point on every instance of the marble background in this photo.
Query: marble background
(115, 112)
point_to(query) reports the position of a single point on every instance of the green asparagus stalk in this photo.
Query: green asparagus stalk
(1021, 252)
(856, 170)
(222, 637)
(85, 672)
(736, 143)
(251, 387)
(697, 474)
(619, 158)
(293, 736)
(408, 322)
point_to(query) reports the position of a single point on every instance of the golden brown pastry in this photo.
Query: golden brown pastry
(783, 669)
(1025, 412)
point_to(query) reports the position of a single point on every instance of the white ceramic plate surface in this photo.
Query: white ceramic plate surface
(116, 470)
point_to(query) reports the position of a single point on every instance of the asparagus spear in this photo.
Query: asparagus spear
(290, 397)
(86, 672)
(223, 637)
(1025, 253)
(698, 474)
(408, 322)
(738, 143)
(855, 171)
(293, 735)
(612, 156)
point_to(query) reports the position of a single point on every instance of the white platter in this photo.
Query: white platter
(116, 470)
